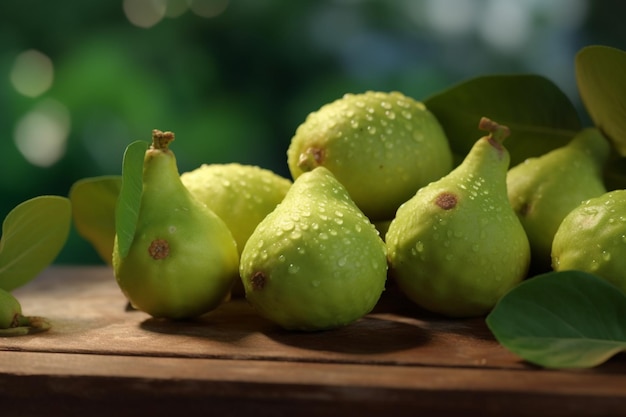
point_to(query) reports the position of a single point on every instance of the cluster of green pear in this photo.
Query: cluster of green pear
(374, 198)
(572, 220)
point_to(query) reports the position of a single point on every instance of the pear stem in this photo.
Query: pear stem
(311, 158)
(497, 132)
(161, 140)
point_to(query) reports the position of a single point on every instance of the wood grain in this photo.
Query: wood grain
(99, 359)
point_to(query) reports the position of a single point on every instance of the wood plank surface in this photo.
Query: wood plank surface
(98, 357)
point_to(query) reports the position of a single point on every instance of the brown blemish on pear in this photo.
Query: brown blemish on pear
(446, 200)
(258, 280)
(159, 249)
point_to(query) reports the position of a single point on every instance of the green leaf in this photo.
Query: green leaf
(601, 79)
(33, 234)
(93, 210)
(127, 208)
(568, 319)
(540, 116)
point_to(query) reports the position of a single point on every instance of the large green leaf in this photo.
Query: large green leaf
(33, 234)
(601, 79)
(568, 319)
(537, 112)
(129, 201)
(93, 210)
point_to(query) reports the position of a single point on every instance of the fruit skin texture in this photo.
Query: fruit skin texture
(183, 259)
(241, 195)
(545, 189)
(592, 238)
(457, 246)
(316, 262)
(381, 146)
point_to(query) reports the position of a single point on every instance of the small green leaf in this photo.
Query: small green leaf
(568, 319)
(93, 210)
(540, 116)
(127, 208)
(33, 234)
(601, 79)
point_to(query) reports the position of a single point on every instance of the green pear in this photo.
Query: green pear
(457, 246)
(13, 322)
(592, 238)
(183, 259)
(10, 310)
(544, 189)
(316, 262)
(241, 195)
(382, 146)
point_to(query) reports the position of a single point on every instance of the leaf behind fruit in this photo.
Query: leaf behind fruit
(93, 210)
(601, 79)
(129, 201)
(33, 234)
(539, 114)
(568, 319)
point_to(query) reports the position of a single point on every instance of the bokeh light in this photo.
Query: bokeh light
(32, 73)
(437, 15)
(506, 25)
(41, 134)
(144, 13)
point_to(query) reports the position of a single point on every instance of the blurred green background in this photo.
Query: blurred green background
(80, 80)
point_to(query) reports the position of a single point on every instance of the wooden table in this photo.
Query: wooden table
(99, 359)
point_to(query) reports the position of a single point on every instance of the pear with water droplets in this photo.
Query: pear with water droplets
(316, 262)
(241, 195)
(544, 189)
(592, 238)
(457, 246)
(382, 146)
(183, 259)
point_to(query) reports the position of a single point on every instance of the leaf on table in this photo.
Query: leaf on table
(93, 210)
(601, 80)
(567, 319)
(538, 113)
(33, 234)
(129, 201)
